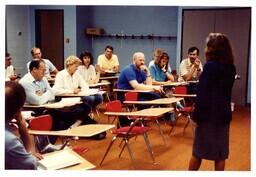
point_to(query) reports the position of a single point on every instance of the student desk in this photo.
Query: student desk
(84, 165)
(143, 114)
(103, 86)
(112, 79)
(81, 94)
(56, 105)
(172, 84)
(109, 77)
(185, 95)
(138, 91)
(149, 112)
(80, 131)
(160, 101)
(100, 84)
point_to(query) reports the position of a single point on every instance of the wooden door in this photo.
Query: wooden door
(50, 35)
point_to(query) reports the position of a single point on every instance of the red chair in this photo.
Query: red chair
(44, 123)
(127, 132)
(133, 96)
(114, 106)
(186, 110)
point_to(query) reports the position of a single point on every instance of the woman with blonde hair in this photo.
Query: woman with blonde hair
(70, 81)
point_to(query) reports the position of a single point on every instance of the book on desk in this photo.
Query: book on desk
(58, 160)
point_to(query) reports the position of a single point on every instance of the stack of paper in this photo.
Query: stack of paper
(27, 115)
(58, 160)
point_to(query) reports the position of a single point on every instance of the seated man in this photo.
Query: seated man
(108, 61)
(191, 68)
(17, 150)
(108, 64)
(9, 70)
(49, 67)
(136, 76)
(39, 92)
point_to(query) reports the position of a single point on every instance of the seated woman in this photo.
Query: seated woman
(70, 81)
(159, 73)
(87, 70)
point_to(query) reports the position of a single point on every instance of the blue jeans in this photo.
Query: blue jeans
(93, 100)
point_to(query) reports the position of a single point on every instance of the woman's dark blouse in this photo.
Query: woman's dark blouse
(214, 93)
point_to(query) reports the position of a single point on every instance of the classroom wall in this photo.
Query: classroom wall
(18, 35)
(83, 19)
(137, 20)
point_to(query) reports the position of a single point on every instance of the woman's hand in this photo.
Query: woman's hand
(77, 90)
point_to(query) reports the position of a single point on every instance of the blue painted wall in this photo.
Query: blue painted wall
(83, 19)
(137, 20)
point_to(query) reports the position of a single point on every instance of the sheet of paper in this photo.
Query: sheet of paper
(58, 160)
(89, 92)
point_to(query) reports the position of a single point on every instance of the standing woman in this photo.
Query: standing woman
(212, 114)
(87, 70)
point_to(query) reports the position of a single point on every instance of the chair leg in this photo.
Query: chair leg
(171, 130)
(149, 147)
(122, 149)
(186, 125)
(161, 131)
(113, 120)
(107, 151)
(97, 112)
(108, 97)
(129, 150)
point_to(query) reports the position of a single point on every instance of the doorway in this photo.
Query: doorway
(49, 30)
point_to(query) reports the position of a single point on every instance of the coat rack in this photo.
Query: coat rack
(133, 36)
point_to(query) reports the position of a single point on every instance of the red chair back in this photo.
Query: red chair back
(180, 90)
(114, 106)
(43, 122)
(131, 96)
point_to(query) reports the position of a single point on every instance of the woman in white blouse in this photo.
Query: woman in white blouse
(87, 70)
(70, 81)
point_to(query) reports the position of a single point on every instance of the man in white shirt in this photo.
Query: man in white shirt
(191, 67)
(108, 62)
(9, 70)
(50, 68)
(38, 91)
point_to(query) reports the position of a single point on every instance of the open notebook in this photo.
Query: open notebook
(58, 160)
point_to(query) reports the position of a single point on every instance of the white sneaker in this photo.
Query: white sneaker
(75, 138)
(91, 115)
